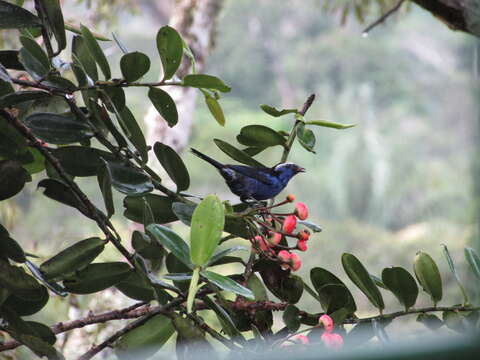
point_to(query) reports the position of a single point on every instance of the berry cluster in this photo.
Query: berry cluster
(276, 228)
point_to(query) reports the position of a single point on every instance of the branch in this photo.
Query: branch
(383, 17)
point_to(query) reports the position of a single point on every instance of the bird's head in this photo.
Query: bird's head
(288, 170)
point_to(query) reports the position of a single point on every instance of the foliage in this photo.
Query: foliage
(84, 128)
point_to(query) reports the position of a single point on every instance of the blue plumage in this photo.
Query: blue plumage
(257, 183)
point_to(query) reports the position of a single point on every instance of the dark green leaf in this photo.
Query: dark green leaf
(114, 98)
(21, 96)
(37, 273)
(135, 287)
(128, 180)
(170, 48)
(134, 65)
(33, 58)
(430, 321)
(260, 136)
(18, 282)
(454, 321)
(306, 137)
(42, 331)
(12, 178)
(270, 110)
(401, 284)
(184, 212)
(9, 59)
(170, 240)
(252, 151)
(58, 82)
(164, 104)
(237, 154)
(58, 129)
(96, 51)
(28, 305)
(451, 265)
(55, 21)
(427, 274)
(8, 246)
(227, 284)
(97, 277)
(81, 160)
(206, 229)
(474, 260)
(334, 297)
(16, 17)
(4, 75)
(161, 207)
(83, 58)
(224, 318)
(330, 124)
(204, 81)
(291, 317)
(75, 257)
(173, 165)
(221, 254)
(106, 189)
(215, 109)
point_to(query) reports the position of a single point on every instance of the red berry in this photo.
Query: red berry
(274, 239)
(291, 198)
(295, 261)
(302, 245)
(327, 322)
(301, 210)
(332, 340)
(289, 224)
(260, 243)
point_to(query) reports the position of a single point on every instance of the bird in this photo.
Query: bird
(254, 183)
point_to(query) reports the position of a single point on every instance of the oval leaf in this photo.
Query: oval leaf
(135, 287)
(427, 274)
(306, 137)
(171, 241)
(330, 124)
(82, 160)
(8, 246)
(161, 208)
(128, 180)
(270, 110)
(16, 17)
(12, 178)
(55, 21)
(164, 104)
(204, 81)
(474, 260)
(134, 65)
(83, 58)
(18, 282)
(237, 154)
(401, 284)
(260, 136)
(173, 165)
(96, 51)
(170, 48)
(21, 96)
(227, 284)
(215, 109)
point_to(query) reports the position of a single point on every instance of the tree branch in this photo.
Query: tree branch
(383, 17)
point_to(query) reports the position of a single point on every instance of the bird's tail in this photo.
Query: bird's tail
(206, 158)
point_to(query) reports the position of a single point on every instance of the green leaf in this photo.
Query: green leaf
(270, 110)
(37, 273)
(329, 124)
(28, 305)
(106, 189)
(76, 30)
(42, 331)
(228, 326)
(58, 129)
(18, 282)
(75, 257)
(173, 165)
(60, 83)
(161, 207)
(215, 109)
(55, 21)
(97, 277)
(227, 284)
(454, 321)
(204, 81)
(207, 226)
(320, 278)
(5, 77)
(128, 180)
(360, 277)
(83, 58)
(82, 160)
(145, 340)
(164, 104)
(33, 58)
(451, 265)
(114, 99)
(260, 136)
(134, 65)
(21, 96)
(135, 287)
(306, 137)
(12, 178)
(183, 211)
(430, 321)
(170, 48)
(96, 51)
(427, 274)
(222, 253)
(8, 246)
(16, 17)
(9, 59)
(170, 240)
(474, 260)
(237, 154)
(401, 284)
(291, 317)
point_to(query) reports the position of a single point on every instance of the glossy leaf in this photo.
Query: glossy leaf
(270, 110)
(173, 165)
(430, 321)
(474, 260)
(161, 207)
(40, 276)
(12, 178)
(16, 17)
(81, 160)
(135, 287)
(259, 135)
(60, 83)
(164, 104)
(207, 226)
(58, 128)
(237, 154)
(227, 284)
(97, 277)
(134, 65)
(224, 318)
(330, 124)
(76, 30)
(96, 51)
(114, 99)
(222, 253)
(306, 137)
(291, 317)
(204, 81)
(360, 277)
(18, 282)
(170, 48)
(33, 58)
(83, 58)
(55, 21)
(28, 305)
(170, 240)
(451, 265)
(21, 96)
(128, 180)
(8, 246)
(215, 109)
(75, 257)
(183, 212)
(402, 285)
(9, 59)
(427, 274)
(106, 189)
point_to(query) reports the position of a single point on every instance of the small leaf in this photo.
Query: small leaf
(291, 317)
(18, 97)
(402, 285)
(55, 20)
(225, 320)
(106, 189)
(28, 305)
(360, 277)
(33, 58)
(237, 154)
(446, 253)
(430, 321)
(12, 178)
(259, 135)
(135, 287)
(474, 260)
(9, 59)
(173, 165)
(134, 65)
(58, 129)
(330, 124)
(204, 81)
(454, 321)
(96, 51)
(215, 109)
(427, 274)
(161, 207)
(306, 137)
(128, 180)
(164, 104)
(16, 17)
(18, 282)
(207, 226)
(83, 58)
(82, 160)
(75, 257)
(171, 241)
(270, 110)
(227, 284)
(8, 246)
(221, 254)
(183, 211)
(170, 48)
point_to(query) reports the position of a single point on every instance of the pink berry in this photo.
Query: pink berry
(300, 339)
(289, 224)
(327, 322)
(301, 210)
(260, 243)
(291, 198)
(332, 340)
(274, 239)
(303, 235)
(302, 245)
(284, 256)
(295, 261)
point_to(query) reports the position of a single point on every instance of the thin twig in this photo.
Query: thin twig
(383, 17)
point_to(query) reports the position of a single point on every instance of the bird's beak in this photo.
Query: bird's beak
(301, 170)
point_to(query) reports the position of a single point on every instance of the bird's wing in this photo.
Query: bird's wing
(263, 175)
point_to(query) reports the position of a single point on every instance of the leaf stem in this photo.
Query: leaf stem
(192, 290)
